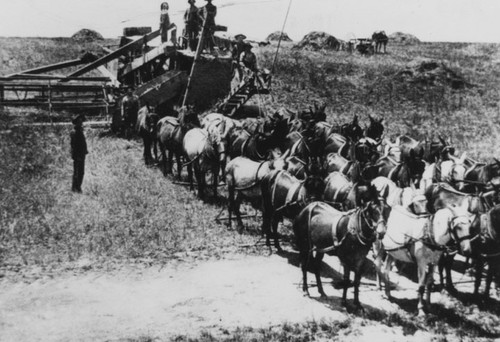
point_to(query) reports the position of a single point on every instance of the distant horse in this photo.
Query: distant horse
(450, 171)
(380, 38)
(204, 151)
(343, 194)
(146, 128)
(243, 178)
(171, 133)
(284, 196)
(422, 240)
(322, 229)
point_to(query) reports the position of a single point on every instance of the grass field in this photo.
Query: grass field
(130, 213)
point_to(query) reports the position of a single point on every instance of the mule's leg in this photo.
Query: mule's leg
(266, 224)
(190, 176)
(275, 222)
(386, 272)
(357, 282)
(155, 148)
(230, 203)
(478, 274)
(305, 256)
(378, 252)
(147, 149)
(422, 277)
(447, 268)
(164, 159)
(200, 178)
(237, 204)
(317, 273)
(179, 167)
(347, 273)
(215, 172)
(428, 285)
(489, 279)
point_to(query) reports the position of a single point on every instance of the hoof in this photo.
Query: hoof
(323, 295)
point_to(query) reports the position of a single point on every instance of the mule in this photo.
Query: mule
(422, 240)
(243, 177)
(381, 39)
(284, 196)
(146, 128)
(480, 176)
(343, 194)
(321, 229)
(354, 170)
(404, 173)
(441, 195)
(204, 151)
(224, 125)
(170, 134)
(375, 129)
(450, 171)
(396, 196)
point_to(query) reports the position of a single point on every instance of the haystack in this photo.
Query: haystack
(318, 41)
(403, 38)
(275, 36)
(428, 72)
(87, 35)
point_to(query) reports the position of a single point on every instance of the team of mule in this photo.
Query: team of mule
(346, 189)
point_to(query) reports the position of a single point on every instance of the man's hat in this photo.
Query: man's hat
(242, 36)
(76, 117)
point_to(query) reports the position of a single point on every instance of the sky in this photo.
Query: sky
(429, 20)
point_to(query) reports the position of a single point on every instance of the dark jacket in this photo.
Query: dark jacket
(78, 144)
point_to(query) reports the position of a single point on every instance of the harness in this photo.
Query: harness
(354, 228)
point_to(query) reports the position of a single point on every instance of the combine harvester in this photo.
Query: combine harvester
(161, 73)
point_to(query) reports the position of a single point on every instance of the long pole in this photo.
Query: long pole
(197, 54)
(281, 36)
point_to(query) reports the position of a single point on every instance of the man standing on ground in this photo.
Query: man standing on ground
(207, 17)
(78, 153)
(130, 108)
(192, 22)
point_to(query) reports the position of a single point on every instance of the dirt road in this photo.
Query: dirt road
(182, 298)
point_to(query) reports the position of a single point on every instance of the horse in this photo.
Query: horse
(243, 178)
(284, 196)
(170, 135)
(404, 173)
(204, 150)
(146, 128)
(421, 239)
(380, 38)
(343, 194)
(375, 129)
(322, 229)
(450, 171)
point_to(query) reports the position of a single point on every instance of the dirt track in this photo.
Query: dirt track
(185, 299)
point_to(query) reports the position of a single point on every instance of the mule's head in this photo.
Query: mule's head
(375, 130)
(376, 214)
(457, 172)
(460, 224)
(315, 187)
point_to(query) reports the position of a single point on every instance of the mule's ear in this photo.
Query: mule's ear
(441, 140)
(412, 153)
(380, 121)
(462, 158)
(496, 160)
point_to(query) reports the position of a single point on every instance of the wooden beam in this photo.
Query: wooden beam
(115, 54)
(51, 67)
(148, 57)
(105, 72)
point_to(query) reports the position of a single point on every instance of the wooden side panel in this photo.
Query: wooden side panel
(163, 88)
